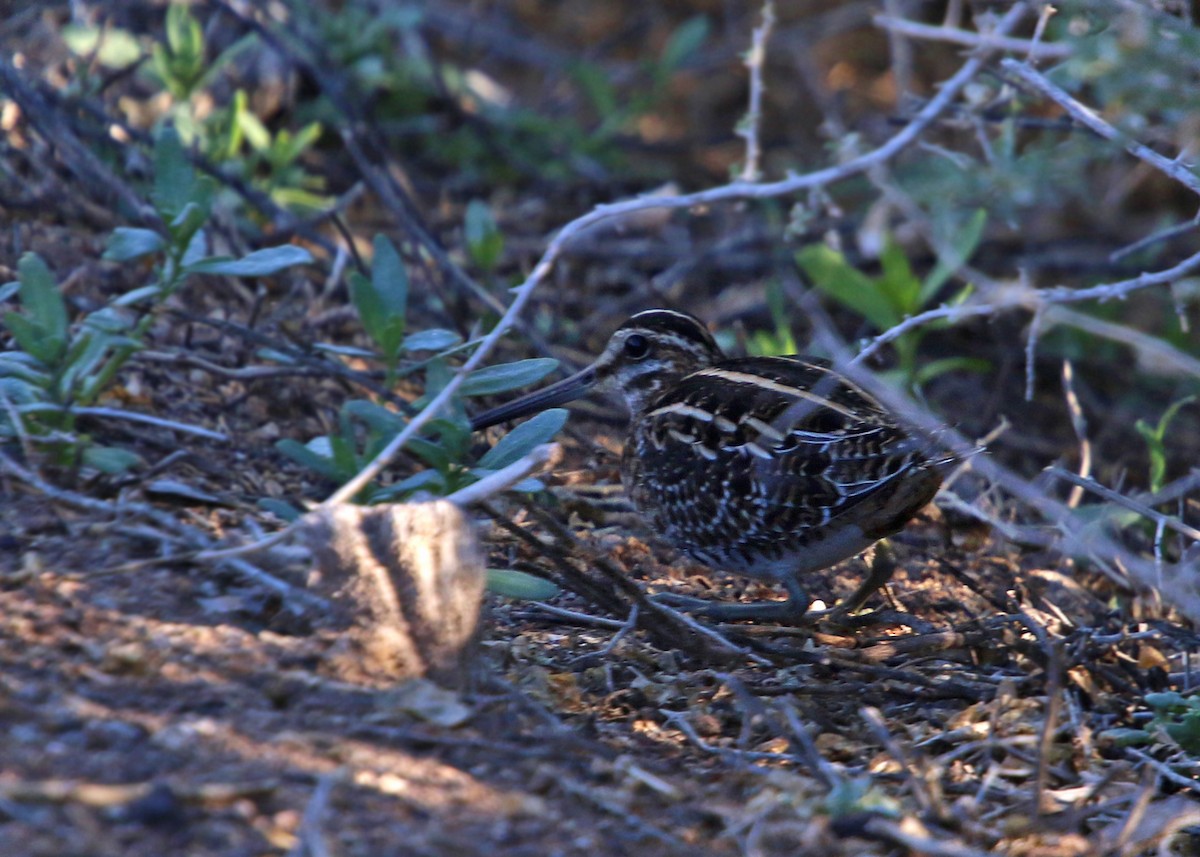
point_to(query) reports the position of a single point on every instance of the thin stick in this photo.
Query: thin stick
(148, 419)
(1020, 297)
(748, 127)
(1079, 424)
(1087, 117)
(1128, 502)
(970, 39)
(506, 477)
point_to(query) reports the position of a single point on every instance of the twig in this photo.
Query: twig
(627, 626)
(18, 425)
(1079, 424)
(187, 534)
(1152, 353)
(755, 58)
(1035, 327)
(586, 619)
(1154, 238)
(311, 835)
(970, 39)
(506, 477)
(808, 751)
(1054, 670)
(902, 56)
(1087, 117)
(1130, 503)
(1164, 770)
(81, 161)
(891, 831)
(148, 419)
(1019, 297)
(920, 790)
(242, 373)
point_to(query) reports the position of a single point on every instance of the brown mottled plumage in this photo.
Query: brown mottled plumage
(772, 467)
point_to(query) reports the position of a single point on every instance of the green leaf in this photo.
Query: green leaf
(114, 48)
(33, 340)
(382, 301)
(898, 281)
(507, 376)
(22, 365)
(280, 509)
(20, 391)
(684, 42)
(377, 418)
(389, 278)
(431, 453)
(597, 87)
(935, 368)
(187, 223)
(129, 243)
(963, 246)
(830, 273)
(522, 439)
(110, 459)
(139, 294)
(197, 250)
(41, 298)
(1186, 732)
(1166, 701)
(517, 584)
(174, 177)
(1155, 442)
(260, 263)
(308, 456)
(255, 131)
(434, 339)
(422, 480)
(180, 62)
(1126, 737)
(485, 242)
(9, 290)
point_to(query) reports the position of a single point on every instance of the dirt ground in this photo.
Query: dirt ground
(151, 704)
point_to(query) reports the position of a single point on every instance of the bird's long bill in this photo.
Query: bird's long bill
(566, 390)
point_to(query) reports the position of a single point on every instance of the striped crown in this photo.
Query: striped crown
(651, 352)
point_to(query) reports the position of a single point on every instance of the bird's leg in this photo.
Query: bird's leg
(883, 566)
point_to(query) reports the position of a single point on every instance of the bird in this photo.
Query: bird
(768, 467)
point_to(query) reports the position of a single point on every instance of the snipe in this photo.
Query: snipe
(772, 467)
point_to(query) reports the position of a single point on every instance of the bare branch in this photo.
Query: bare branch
(1087, 117)
(971, 39)
(748, 127)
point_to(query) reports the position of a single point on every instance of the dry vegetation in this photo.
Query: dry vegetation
(987, 212)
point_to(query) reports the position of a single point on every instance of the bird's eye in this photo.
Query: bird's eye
(636, 346)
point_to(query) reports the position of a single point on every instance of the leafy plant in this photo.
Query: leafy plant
(1172, 713)
(238, 139)
(58, 368)
(617, 111)
(55, 369)
(365, 427)
(484, 240)
(181, 62)
(780, 340)
(897, 293)
(1155, 437)
(233, 136)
